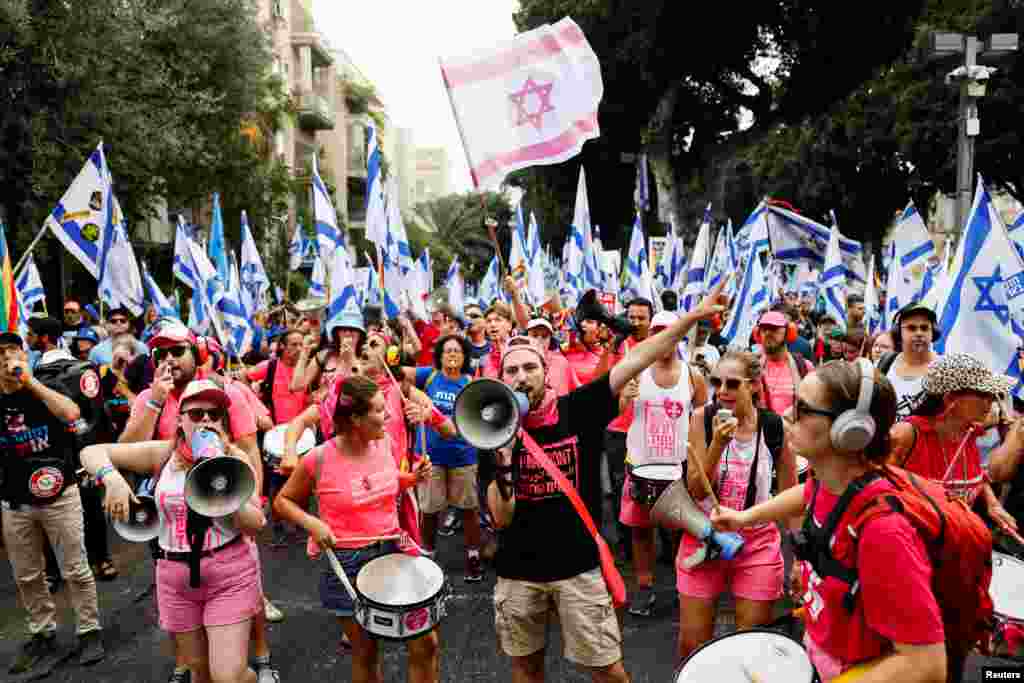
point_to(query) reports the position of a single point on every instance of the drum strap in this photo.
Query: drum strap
(612, 577)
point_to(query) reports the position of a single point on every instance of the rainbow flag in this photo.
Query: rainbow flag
(8, 292)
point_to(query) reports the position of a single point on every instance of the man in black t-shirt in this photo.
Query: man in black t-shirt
(41, 499)
(546, 556)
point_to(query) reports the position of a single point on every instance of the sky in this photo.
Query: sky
(396, 44)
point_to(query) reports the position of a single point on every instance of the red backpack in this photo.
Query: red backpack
(958, 542)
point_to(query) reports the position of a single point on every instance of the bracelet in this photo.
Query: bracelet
(102, 472)
(154, 405)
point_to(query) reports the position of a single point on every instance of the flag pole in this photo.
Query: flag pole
(21, 261)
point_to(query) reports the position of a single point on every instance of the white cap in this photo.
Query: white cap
(664, 319)
(540, 322)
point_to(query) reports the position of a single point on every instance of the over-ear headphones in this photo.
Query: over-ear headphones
(854, 429)
(896, 333)
(202, 351)
(791, 334)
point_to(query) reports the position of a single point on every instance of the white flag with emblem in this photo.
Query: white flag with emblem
(524, 102)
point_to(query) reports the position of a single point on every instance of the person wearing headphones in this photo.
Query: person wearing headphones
(781, 369)
(914, 330)
(896, 620)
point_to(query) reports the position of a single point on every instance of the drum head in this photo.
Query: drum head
(1007, 587)
(666, 472)
(399, 579)
(768, 655)
(273, 441)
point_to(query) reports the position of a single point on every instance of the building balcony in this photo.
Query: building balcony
(319, 50)
(315, 112)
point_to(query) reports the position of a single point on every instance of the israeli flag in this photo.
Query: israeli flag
(696, 273)
(872, 309)
(982, 311)
(255, 281)
(456, 287)
(198, 314)
(833, 280)
(724, 261)
(642, 193)
(295, 249)
(535, 254)
(119, 282)
(218, 244)
(374, 293)
(638, 282)
(163, 305)
(344, 302)
(913, 245)
(208, 295)
(519, 254)
(325, 218)
(236, 318)
(750, 302)
(83, 215)
(490, 287)
(795, 238)
(1016, 230)
(376, 204)
(754, 231)
(183, 267)
(318, 279)
(30, 285)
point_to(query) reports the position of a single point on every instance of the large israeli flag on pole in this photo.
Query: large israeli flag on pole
(456, 287)
(696, 273)
(724, 261)
(218, 244)
(982, 311)
(318, 279)
(344, 300)
(30, 285)
(253, 275)
(120, 283)
(833, 280)
(82, 216)
(325, 218)
(183, 267)
(295, 249)
(750, 302)
(795, 238)
(872, 310)
(638, 282)
(535, 278)
(490, 287)
(376, 205)
(163, 305)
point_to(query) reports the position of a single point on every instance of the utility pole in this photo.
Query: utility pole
(970, 77)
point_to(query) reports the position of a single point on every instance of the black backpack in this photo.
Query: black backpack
(267, 388)
(886, 361)
(770, 425)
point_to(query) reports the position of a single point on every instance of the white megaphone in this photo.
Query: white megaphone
(488, 414)
(218, 484)
(143, 523)
(675, 509)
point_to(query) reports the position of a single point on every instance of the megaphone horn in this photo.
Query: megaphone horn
(487, 413)
(589, 308)
(143, 523)
(219, 486)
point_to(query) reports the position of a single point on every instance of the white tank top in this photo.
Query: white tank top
(909, 393)
(661, 421)
(170, 503)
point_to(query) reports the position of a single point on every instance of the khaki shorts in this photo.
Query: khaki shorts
(455, 486)
(590, 629)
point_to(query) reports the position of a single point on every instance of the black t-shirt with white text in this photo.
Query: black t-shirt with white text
(547, 540)
(35, 450)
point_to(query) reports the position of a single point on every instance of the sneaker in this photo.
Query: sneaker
(452, 523)
(265, 673)
(33, 651)
(180, 677)
(642, 605)
(272, 613)
(474, 569)
(90, 648)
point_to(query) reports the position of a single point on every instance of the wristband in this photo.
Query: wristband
(102, 472)
(436, 418)
(154, 405)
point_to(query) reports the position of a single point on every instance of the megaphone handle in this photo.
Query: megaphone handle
(340, 573)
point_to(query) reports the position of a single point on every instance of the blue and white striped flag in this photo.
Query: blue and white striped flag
(82, 216)
(833, 280)
(318, 279)
(163, 305)
(254, 279)
(696, 272)
(30, 285)
(120, 283)
(328, 234)
(456, 287)
(344, 303)
(795, 238)
(376, 204)
(183, 267)
(724, 261)
(642, 193)
(535, 254)
(981, 314)
(519, 253)
(873, 317)
(638, 282)
(751, 300)
(490, 287)
(913, 246)
(295, 249)
(218, 246)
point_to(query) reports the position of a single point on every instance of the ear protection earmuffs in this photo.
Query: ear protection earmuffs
(791, 334)
(854, 429)
(897, 335)
(201, 351)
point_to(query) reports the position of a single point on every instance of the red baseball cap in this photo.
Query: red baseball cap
(773, 319)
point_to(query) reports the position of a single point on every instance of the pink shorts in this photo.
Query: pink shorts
(632, 513)
(230, 590)
(755, 574)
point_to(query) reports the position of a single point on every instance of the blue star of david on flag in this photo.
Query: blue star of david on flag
(985, 302)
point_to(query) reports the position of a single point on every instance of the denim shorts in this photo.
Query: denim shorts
(333, 595)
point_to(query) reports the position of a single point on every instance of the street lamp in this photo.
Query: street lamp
(971, 79)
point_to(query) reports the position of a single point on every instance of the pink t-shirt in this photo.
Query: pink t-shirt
(358, 495)
(240, 415)
(396, 418)
(778, 378)
(287, 404)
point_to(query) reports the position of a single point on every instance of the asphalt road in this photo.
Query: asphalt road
(305, 644)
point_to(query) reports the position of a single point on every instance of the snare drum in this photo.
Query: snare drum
(400, 596)
(647, 482)
(1007, 591)
(273, 444)
(756, 654)
(802, 467)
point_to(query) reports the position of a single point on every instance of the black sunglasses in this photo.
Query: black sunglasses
(731, 384)
(176, 351)
(118, 321)
(198, 414)
(802, 407)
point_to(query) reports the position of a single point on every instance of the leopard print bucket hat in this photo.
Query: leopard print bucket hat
(961, 372)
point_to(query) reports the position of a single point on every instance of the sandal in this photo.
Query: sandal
(106, 571)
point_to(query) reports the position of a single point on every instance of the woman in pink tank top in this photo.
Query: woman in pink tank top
(356, 481)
